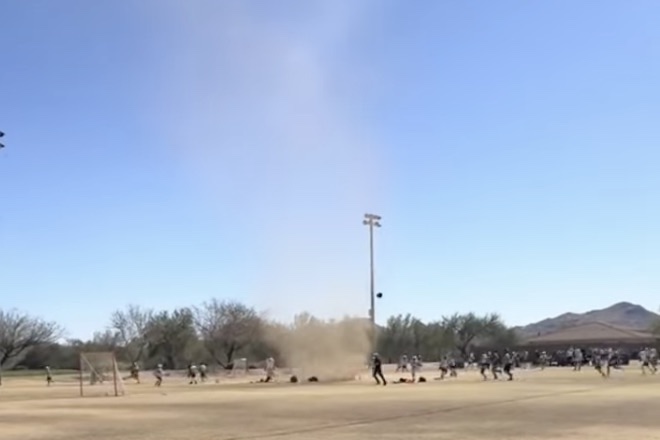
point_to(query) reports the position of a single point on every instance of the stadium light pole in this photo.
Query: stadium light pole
(373, 221)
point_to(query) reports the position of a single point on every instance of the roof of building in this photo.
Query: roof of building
(593, 332)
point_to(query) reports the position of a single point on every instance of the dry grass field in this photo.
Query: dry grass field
(550, 404)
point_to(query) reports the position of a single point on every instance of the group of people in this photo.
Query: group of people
(193, 372)
(501, 364)
(490, 364)
(447, 367)
(602, 359)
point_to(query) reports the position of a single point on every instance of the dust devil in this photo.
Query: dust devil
(377, 369)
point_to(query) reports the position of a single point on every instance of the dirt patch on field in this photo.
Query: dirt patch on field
(547, 405)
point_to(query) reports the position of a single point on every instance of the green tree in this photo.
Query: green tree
(469, 328)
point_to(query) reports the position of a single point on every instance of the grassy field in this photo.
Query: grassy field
(551, 404)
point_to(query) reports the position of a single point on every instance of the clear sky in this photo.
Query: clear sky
(165, 152)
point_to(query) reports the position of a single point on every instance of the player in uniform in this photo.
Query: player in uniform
(135, 372)
(452, 367)
(377, 369)
(192, 374)
(203, 372)
(415, 366)
(644, 360)
(653, 359)
(495, 364)
(507, 361)
(570, 356)
(543, 360)
(158, 374)
(403, 363)
(270, 369)
(484, 365)
(578, 359)
(444, 367)
(49, 376)
(612, 360)
(597, 361)
(471, 361)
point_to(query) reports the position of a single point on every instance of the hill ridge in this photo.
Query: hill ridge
(622, 314)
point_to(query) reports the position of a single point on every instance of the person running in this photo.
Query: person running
(578, 360)
(135, 372)
(452, 367)
(471, 361)
(377, 369)
(49, 376)
(612, 360)
(495, 364)
(415, 366)
(597, 362)
(653, 359)
(192, 374)
(203, 368)
(158, 374)
(270, 369)
(507, 361)
(484, 365)
(444, 367)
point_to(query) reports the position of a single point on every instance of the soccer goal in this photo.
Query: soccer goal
(240, 367)
(99, 375)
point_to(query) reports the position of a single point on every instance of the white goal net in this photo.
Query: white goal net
(240, 367)
(99, 375)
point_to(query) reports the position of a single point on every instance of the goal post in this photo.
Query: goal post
(240, 367)
(99, 375)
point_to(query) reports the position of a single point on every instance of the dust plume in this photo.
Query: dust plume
(330, 350)
(264, 100)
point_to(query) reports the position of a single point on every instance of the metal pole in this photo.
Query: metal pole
(80, 374)
(114, 374)
(372, 284)
(373, 221)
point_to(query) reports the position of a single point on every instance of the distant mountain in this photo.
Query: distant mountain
(623, 314)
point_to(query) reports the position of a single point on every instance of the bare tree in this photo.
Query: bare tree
(227, 327)
(20, 332)
(131, 327)
(172, 336)
(107, 340)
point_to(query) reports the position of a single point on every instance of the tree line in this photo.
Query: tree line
(218, 332)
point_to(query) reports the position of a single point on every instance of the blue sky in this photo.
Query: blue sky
(166, 152)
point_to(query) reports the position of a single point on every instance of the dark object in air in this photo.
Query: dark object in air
(379, 295)
(313, 379)
(293, 379)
